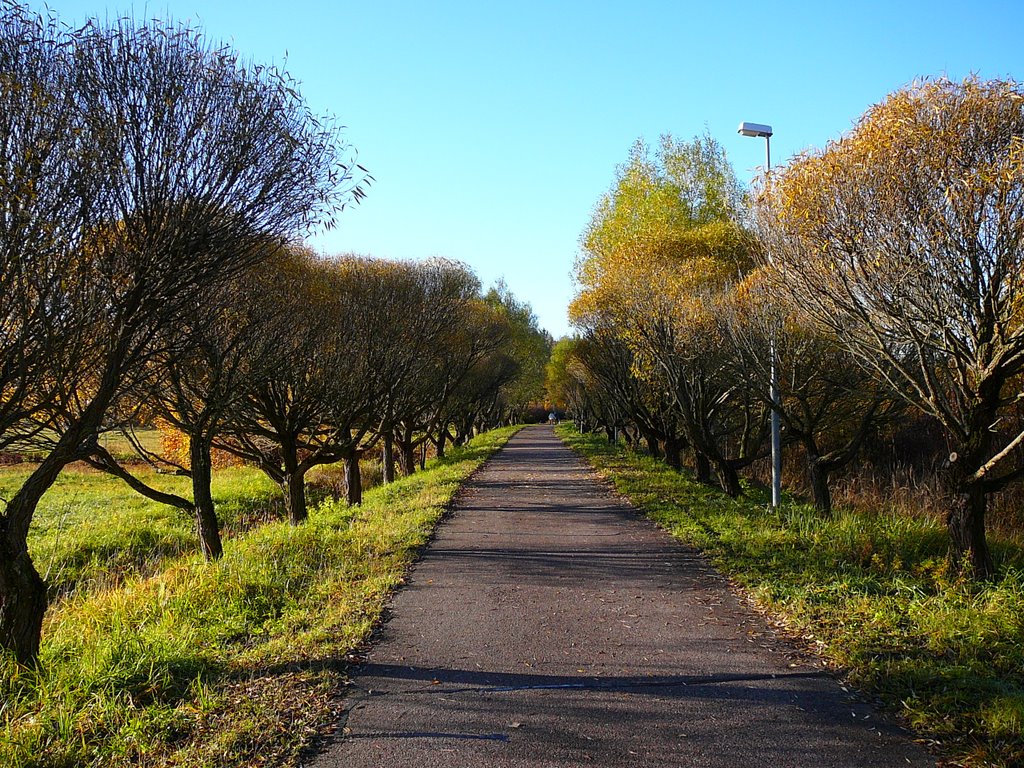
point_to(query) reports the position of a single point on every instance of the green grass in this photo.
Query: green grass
(121, 448)
(91, 529)
(870, 591)
(181, 662)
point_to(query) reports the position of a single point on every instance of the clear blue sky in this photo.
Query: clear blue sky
(493, 128)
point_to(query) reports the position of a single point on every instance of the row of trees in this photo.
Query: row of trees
(154, 195)
(305, 361)
(882, 275)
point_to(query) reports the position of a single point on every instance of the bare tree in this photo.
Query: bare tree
(46, 196)
(829, 404)
(195, 161)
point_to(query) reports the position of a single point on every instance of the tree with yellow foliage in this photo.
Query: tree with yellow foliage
(905, 239)
(661, 250)
(566, 384)
(673, 213)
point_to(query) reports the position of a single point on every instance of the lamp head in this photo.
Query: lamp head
(755, 129)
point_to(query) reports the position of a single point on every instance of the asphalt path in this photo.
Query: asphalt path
(548, 624)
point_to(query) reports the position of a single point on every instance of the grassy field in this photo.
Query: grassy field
(152, 657)
(868, 590)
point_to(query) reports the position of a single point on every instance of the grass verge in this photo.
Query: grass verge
(227, 663)
(870, 589)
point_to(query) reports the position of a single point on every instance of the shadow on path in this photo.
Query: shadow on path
(548, 625)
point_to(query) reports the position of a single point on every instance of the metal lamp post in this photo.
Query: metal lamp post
(765, 131)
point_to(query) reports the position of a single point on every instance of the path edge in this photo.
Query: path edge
(321, 741)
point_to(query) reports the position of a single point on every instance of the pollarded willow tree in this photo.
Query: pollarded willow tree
(475, 364)
(528, 347)
(198, 371)
(47, 190)
(425, 309)
(310, 394)
(606, 366)
(906, 239)
(177, 164)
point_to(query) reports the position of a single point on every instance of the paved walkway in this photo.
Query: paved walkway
(549, 625)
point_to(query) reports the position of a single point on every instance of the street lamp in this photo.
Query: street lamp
(765, 132)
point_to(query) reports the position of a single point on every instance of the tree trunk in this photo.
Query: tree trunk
(353, 481)
(23, 598)
(701, 468)
(969, 553)
(23, 601)
(423, 456)
(818, 472)
(406, 458)
(207, 524)
(728, 477)
(294, 487)
(672, 449)
(387, 454)
(652, 445)
(442, 438)
(463, 431)
(968, 500)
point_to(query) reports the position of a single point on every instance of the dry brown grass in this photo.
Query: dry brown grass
(900, 488)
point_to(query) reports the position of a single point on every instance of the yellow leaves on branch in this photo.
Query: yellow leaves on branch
(680, 270)
(665, 230)
(175, 445)
(923, 198)
(960, 140)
